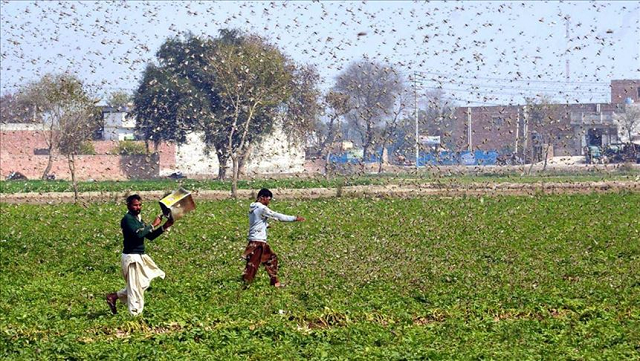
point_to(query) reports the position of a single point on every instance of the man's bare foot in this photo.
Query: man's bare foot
(111, 301)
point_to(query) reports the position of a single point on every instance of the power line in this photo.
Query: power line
(453, 76)
(479, 92)
(491, 86)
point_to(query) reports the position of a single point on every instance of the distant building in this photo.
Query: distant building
(274, 155)
(511, 129)
(23, 148)
(621, 90)
(118, 124)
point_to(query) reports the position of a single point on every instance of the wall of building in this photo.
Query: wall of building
(117, 126)
(276, 156)
(191, 159)
(555, 130)
(502, 128)
(22, 149)
(492, 128)
(623, 89)
(273, 156)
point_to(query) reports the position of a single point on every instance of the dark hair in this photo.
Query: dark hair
(264, 192)
(133, 197)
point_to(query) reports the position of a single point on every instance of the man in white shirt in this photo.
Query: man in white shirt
(258, 251)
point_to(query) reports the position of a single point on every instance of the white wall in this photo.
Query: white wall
(272, 156)
(276, 156)
(191, 159)
(23, 126)
(117, 126)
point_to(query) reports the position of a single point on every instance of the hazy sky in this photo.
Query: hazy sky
(478, 52)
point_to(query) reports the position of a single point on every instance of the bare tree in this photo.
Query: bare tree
(42, 96)
(69, 113)
(391, 123)
(628, 122)
(438, 114)
(16, 108)
(372, 88)
(544, 117)
(337, 105)
(303, 107)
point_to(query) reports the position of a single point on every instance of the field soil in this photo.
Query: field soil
(402, 191)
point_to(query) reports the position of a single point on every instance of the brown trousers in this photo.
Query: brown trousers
(258, 253)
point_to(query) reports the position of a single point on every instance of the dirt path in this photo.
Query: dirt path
(406, 191)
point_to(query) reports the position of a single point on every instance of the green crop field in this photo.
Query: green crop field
(516, 278)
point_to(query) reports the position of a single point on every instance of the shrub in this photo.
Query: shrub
(129, 147)
(626, 167)
(87, 148)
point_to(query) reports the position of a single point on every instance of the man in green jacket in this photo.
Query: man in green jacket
(138, 269)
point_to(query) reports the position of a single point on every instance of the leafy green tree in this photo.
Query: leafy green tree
(233, 88)
(164, 106)
(252, 78)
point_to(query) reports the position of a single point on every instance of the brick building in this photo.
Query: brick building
(621, 90)
(525, 130)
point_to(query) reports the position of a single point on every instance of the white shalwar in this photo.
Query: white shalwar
(138, 270)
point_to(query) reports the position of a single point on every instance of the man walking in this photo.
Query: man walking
(258, 251)
(138, 269)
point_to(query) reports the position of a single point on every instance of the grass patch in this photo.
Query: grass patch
(300, 183)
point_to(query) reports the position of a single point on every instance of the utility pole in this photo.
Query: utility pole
(567, 52)
(525, 131)
(517, 130)
(415, 93)
(470, 146)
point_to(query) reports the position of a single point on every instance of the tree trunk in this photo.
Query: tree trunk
(327, 167)
(368, 144)
(381, 157)
(72, 170)
(532, 162)
(49, 165)
(222, 165)
(242, 163)
(234, 180)
(365, 150)
(50, 142)
(546, 156)
(222, 172)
